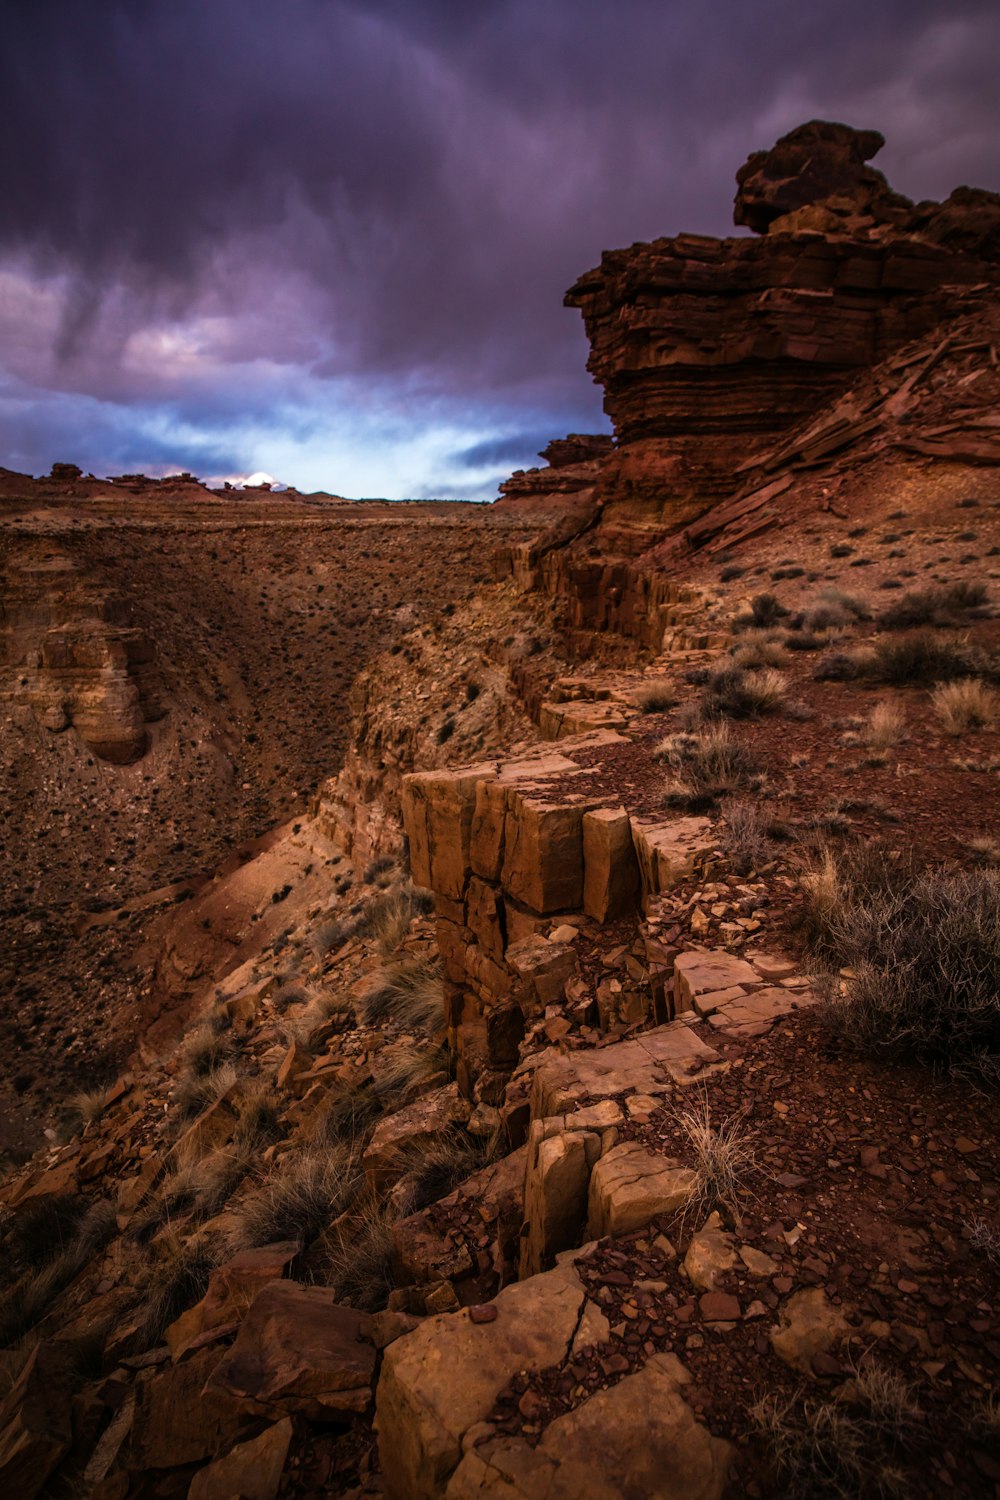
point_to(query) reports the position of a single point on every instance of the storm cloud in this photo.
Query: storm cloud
(331, 239)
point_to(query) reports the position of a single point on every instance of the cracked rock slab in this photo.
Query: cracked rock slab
(648, 1064)
(637, 1441)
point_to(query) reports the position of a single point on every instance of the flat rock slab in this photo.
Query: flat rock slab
(646, 1065)
(440, 1380)
(753, 1014)
(637, 1441)
(298, 1351)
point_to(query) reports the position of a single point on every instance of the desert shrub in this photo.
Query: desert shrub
(805, 640)
(765, 609)
(707, 765)
(407, 992)
(745, 836)
(765, 651)
(842, 666)
(921, 657)
(966, 705)
(381, 871)
(741, 694)
(833, 610)
(303, 1192)
(655, 697)
(925, 949)
(940, 606)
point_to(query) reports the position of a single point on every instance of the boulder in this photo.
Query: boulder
(555, 1194)
(630, 1186)
(648, 1064)
(668, 853)
(544, 967)
(230, 1293)
(440, 1380)
(637, 1441)
(809, 1325)
(178, 1419)
(297, 1351)
(711, 1252)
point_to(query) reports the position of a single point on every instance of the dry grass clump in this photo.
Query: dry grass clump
(348, 1117)
(407, 992)
(61, 1240)
(707, 766)
(834, 610)
(844, 666)
(175, 1281)
(193, 1093)
(208, 1046)
(656, 696)
(724, 1161)
(357, 1260)
(303, 1193)
(405, 1069)
(88, 1105)
(331, 933)
(884, 727)
(966, 705)
(388, 917)
(759, 649)
(739, 693)
(925, 949)
(840, 1450)
(382, 871)
(433, 1171)
(985, 1240)
(938, 606)
(745, 836)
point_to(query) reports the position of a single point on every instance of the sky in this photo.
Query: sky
(329, 239)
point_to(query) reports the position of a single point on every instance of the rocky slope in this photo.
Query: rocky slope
(593, 1091)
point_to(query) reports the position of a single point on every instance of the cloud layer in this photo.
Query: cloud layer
(330, 239)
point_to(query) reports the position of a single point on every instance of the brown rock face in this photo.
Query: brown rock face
(708, 349)
(817, 161)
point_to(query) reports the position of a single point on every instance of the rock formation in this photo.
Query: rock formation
(709, 349)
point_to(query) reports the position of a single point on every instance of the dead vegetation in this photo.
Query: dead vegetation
(923, 951)
(407, 992)
(707, 766)
(723, 1158)
(824, 1449)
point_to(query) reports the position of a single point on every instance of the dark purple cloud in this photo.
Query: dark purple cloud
(374, 206)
